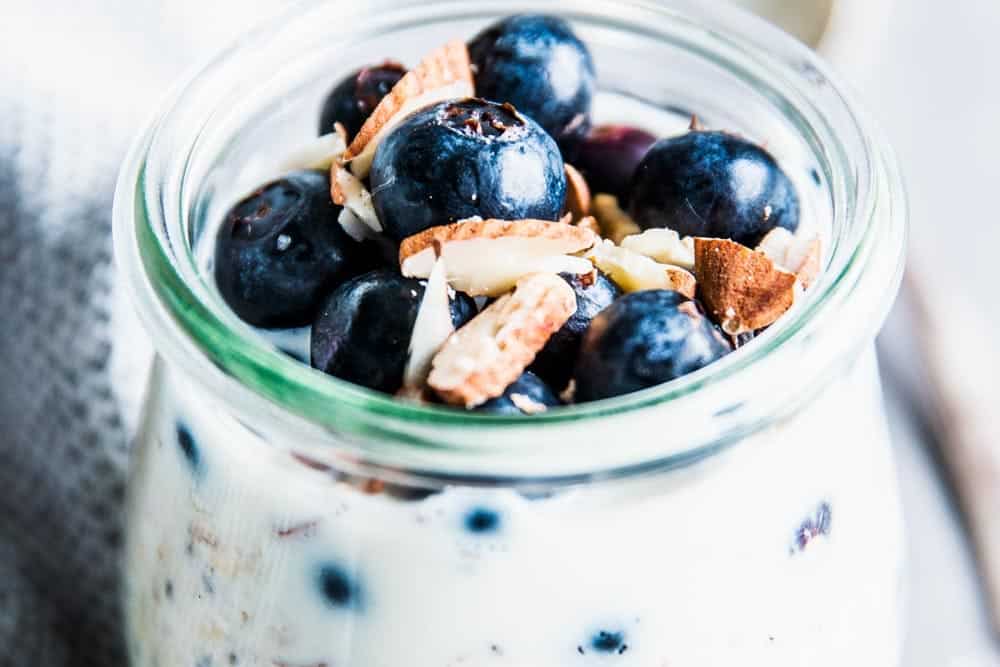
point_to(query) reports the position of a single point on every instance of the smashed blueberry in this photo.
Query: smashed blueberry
(594, 292)
(362, 332)
(608, 157)
(338, 588)
(482, 520)
(457, 160)
(814, 526)
(538, 64)
(281, 249)
(528, 391)
(352, 100)
(188, 446)
(713, 184)
(644, 339)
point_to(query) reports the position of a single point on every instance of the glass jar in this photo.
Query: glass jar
(743, 514)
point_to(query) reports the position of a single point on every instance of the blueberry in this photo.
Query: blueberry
(713, 184)
(594, 293)
(536, 63)
(643, 339)
(188, 446)
(356, 96)
(609, 155)
(281, 249)
(482, 520)
(530, 387)
(608, 642)
(337, 587)
(362, 332)
(461, 159)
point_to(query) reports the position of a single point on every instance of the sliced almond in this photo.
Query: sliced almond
(320, 153)
(480, 360)
(742, 289)
(431, 329)
(445, 74)
(633, 272)
(615, 223)
(487, 257)
(348, 191)
(589, 222)
(577, 193)
(663, 245)
(801, 255)
(527, 404)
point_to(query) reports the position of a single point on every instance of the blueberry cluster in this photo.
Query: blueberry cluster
(284, 259)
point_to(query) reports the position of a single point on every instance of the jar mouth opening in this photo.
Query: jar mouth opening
(862, 271)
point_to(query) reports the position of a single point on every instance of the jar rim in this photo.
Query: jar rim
(862, 272)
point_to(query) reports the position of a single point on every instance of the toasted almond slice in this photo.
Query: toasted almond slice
(742, 289)
(801, 255)
(633, 272)
(664, 246)
(480, 360)
(589, 222)
(320, 153)
(577, 193)
(431, 328)
(348, 191)
(615, 223)
(527, 404)
(445, 74)
(487, 257)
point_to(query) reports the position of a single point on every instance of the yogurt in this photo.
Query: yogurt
(781, 550)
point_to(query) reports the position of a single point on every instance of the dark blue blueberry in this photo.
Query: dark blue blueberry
(608, 157)
(594, 292)
(281, 249)
(482, 520)
(814, 526)
(362, 332)
(608, 642)
(461, 159)
(529, 386)
(644, 339)
(338, 588)
(538, 64)
(356, 96)
(713, 184)
(188, 446)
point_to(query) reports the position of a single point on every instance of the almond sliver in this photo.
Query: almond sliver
(348, 191)
(431, 328)
(445, 74)
(662, 245)
(634, 272)
(480, 360)
(487, 257)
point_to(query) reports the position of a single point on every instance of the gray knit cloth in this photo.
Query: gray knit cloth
(76, 81)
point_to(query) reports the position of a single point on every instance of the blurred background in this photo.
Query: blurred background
(78, 78)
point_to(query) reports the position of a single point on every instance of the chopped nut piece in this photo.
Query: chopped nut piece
(487, 257)
(431, 329)
(527, 404)
(615, 223)
(348, 191)
(577, 193)
(320, 153)
(445, 74)
(633, 272)
(485, 356)
(741, 288)
(663, 245)
(589, 222)
(801, 255)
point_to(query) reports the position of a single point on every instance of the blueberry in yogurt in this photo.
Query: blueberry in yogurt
(461, 159)
(538, 64)
(713, 184)
(482, 520)
(338, 588)
(608, 157)
(281, 249)
(362, 332)
(526, 395)
(594, 292)
(188, 446)
(352, 100)
(644, 339)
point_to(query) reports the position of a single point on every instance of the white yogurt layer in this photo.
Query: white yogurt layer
(782, 551)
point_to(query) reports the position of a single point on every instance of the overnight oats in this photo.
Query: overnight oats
(552, 346)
